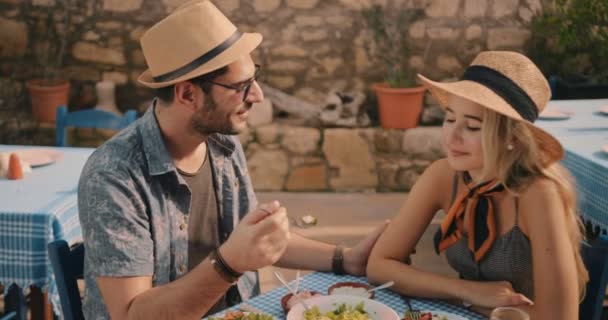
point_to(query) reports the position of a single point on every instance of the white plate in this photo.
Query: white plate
(437, 315)
(604, 110)
(39, 157)
(552, 114)
(375, 309)
(223, 314)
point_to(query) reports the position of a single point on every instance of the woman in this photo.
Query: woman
(508, 200)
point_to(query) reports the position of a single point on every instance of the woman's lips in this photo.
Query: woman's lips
(457, 153)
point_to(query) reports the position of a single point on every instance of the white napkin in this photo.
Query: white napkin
(4, 163)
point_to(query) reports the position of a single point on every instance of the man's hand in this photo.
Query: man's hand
(259, 240)
(355, 258)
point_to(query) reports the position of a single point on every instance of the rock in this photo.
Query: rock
(423, 142)
(268, 134)
(349, 156)
(122, 5)
(264, 6)
(507, 38)
(13, 38)
(307, 178)
(268, 169)
(475, 8)
(302, 4)
(301, 141)
(90, 52)
(442, 8)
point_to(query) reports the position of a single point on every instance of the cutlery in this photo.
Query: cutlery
(413, 313)
(297, 286)
(383, 286)
(279, 276)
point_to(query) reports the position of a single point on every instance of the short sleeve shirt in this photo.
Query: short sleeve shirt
(132, 202)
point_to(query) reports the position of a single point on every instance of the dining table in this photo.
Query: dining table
(39, 208)
(581, 126)
(270, 302)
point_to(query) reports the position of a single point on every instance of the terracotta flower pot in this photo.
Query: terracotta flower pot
(47, 97)
(399, 108)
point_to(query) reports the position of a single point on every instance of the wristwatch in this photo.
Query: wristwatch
(337, 262)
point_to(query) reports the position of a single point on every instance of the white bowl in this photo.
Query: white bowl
(375, 309)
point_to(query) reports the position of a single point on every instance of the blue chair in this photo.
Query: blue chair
(9, 316)
(89, 118)
(595, 256)
(68, 265)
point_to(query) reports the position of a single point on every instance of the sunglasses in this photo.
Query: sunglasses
(244, 86)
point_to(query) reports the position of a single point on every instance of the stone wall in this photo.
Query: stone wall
(310, 48)
(289, 158)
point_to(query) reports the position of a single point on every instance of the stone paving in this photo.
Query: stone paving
(345, 218)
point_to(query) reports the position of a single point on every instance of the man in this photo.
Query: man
(170, 221)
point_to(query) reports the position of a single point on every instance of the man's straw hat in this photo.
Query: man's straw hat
(193, 40)
(508, 83)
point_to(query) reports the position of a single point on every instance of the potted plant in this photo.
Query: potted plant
(399, 98)
(51, 38)
(570, 44)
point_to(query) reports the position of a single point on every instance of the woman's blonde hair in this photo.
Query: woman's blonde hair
(519, 167)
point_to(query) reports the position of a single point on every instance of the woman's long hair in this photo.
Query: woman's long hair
(519, 167)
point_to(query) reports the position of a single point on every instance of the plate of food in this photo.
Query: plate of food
(553, 114)
(288, 300)
(38, 157)
(434, 315)
(357, 289)
(240, 315)
(342, 307)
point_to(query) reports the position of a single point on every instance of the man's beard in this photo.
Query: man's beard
(208, 120)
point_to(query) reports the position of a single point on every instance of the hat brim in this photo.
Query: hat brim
(475, 92)
(245, 45)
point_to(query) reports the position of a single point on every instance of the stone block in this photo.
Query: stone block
(307, 178)
(122, 5)
(507, 38)
(301, 140)
(349, 156)
(423, 142)
(13, 38)
(442, 8)
(268, 169)
(90, 52)
(475, 8)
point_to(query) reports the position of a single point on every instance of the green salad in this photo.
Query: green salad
(343, 312)
(238, 315)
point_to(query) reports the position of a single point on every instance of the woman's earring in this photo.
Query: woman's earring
(509, 147)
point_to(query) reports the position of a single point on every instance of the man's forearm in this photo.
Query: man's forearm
(189, 297)
(307, 254)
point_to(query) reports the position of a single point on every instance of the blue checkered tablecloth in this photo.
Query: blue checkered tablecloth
(583, 136)
(270, 302)
(38, 209)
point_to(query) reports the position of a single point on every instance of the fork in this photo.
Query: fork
(414, 313)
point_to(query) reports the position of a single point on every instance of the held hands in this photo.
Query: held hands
(355, 258)
(494, 294)
(259, 240)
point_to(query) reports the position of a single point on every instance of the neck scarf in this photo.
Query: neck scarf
(475, 210)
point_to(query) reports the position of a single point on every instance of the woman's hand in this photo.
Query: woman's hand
(494, 294)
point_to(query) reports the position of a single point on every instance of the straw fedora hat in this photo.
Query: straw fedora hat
(193, 40)
(508, 83)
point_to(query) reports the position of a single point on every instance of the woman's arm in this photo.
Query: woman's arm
(403, 233)
(555, 273)
(430, 193)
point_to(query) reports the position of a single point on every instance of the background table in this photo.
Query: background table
(583, 136)
(270, 302)
(40, 208)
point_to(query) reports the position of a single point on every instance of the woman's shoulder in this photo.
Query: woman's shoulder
(540, 202)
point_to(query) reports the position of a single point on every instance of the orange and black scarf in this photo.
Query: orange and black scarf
(475, 210)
